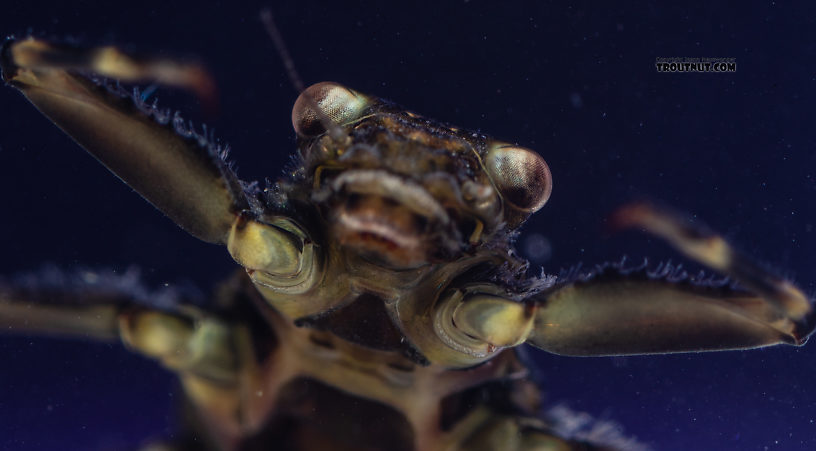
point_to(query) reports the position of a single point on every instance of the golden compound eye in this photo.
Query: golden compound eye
(340, 104)
(521, 176)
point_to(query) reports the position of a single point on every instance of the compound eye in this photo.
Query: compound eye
(521, 176)
(339, 104)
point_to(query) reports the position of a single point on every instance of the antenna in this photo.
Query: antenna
(335, 131)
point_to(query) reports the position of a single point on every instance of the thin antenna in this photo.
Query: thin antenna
(335, 131)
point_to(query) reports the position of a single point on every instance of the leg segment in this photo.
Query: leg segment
(620, 312)
(179, 171)
(500, 432)
(81, 304)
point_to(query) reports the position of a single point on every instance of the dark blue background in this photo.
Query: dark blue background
(738, 150)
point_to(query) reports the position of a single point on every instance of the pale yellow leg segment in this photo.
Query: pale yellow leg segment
(203, 351)
(111, 62)
(635, 314)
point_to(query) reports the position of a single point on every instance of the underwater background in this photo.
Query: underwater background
(576, 83)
